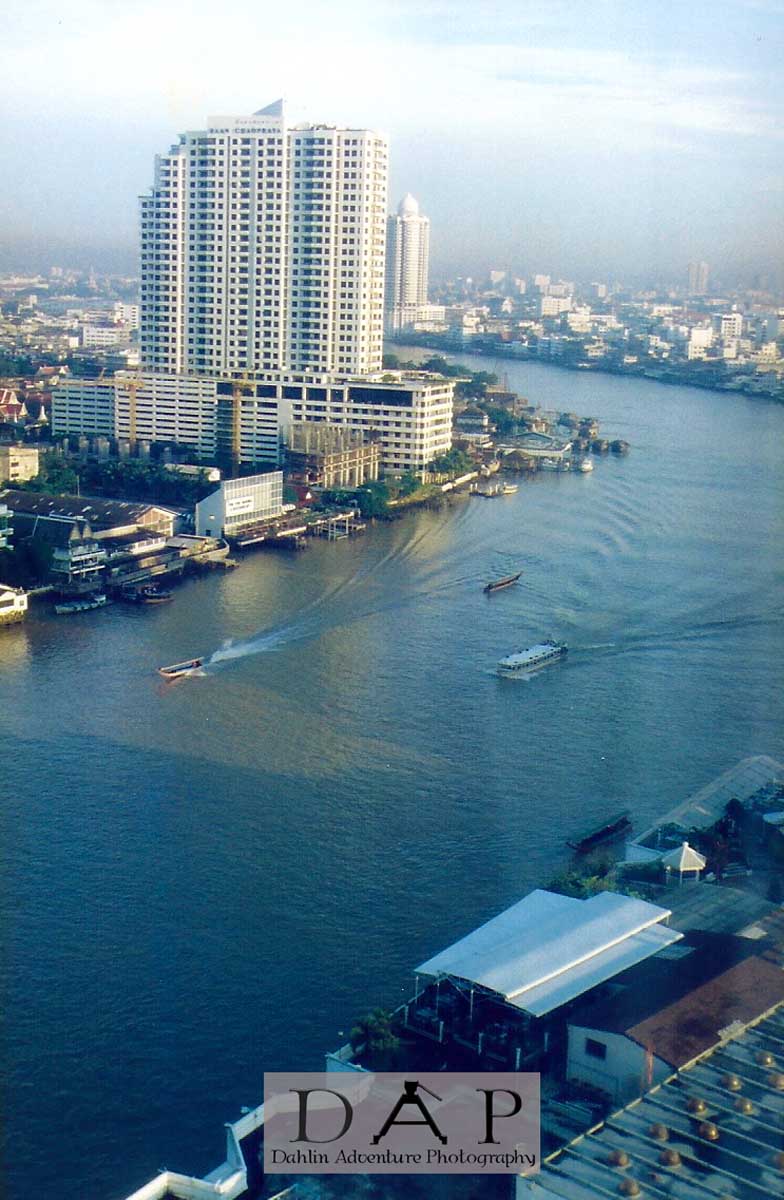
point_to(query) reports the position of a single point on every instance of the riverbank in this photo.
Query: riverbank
(679, 375)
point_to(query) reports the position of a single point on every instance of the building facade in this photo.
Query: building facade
(263, 248)
(18, 463)
(239, 503)
(245, 421)
(408, 254)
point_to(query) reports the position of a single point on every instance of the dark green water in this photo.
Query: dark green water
(213, 878)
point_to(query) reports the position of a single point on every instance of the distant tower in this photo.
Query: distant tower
(699, 273)
(408, 249)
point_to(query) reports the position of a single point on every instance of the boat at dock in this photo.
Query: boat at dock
(532, 658)
(509, 489)
(147, 595)
(78, 606)
(614, 827)
(178, 670)
(502, 583)
(585, 465)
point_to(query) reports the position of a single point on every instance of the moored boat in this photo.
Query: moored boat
(585, 465)
(78, 606)
(178, 670)
(509, 489)
(614, 827)
(150, 594)
(532, 658)
(502, 583)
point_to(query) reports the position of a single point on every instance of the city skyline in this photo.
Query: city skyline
(534, 135)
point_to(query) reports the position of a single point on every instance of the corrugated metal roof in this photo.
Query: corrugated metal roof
(548, 948)
(713, 1129)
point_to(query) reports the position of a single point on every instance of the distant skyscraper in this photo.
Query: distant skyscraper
(263, 249)
(408, 251)
(699, 273)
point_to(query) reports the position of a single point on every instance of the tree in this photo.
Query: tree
(374, 1034)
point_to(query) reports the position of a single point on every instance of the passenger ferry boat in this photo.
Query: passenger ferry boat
(78, 606)
(532, 658)
(178, 670)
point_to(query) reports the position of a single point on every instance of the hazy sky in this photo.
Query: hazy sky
(610, 137)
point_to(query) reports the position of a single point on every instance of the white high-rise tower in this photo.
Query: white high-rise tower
(263, 249)
(408, 250)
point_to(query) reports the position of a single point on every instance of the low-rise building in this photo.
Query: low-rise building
(664, 1013)
(711, 1129)
(18, 463)
(240, 504)
(13, 604)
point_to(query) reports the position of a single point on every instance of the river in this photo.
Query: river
(210, 879)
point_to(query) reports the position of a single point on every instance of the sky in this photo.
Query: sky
(615, 139)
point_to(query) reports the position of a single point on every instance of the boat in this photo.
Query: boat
(532, 658)
(585, 465)
(502, 583)
(614, 827)
(147, 595)
(84, 605)
(154, 595)
(509, 489)
(178, 670)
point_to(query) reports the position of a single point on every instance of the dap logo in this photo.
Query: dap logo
(437, 1123)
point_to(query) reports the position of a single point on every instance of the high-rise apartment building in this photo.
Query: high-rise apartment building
(699, 273)
(408, 254)
(262, 303)
(262, 248)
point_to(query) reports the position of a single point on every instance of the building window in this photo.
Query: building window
(595, 1049)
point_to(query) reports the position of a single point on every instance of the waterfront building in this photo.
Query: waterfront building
(18, 463)
(244, 420)
(710, 1129)
(13, 604)
(239, 504)
(657, 1022)
(262, 247)
(408, 251)
(107, 517)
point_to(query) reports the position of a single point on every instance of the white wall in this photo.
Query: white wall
(622, 1074)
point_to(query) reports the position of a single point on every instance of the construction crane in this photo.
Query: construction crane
(131, 386)
(239, 388)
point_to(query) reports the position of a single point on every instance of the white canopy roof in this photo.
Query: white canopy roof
(548, 949)
(684, 858)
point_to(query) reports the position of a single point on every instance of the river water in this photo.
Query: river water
(210, 879)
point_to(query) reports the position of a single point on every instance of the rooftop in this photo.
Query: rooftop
(548, 949)
(651, 986)
(99, 513)
(713, 1129)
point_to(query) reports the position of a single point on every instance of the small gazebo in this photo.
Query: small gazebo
(685, 860)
